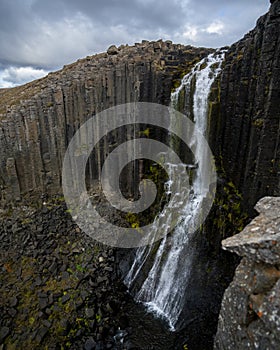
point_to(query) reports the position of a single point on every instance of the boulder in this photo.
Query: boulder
(112, 50)
(250, 312)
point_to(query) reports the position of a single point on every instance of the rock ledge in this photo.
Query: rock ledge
(260, 240)
(250, 312)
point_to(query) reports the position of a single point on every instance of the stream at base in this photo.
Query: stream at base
(149, 333)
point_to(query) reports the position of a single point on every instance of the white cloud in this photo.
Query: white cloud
(215, 27)
(191, 33)
(196, 34)
(13, 76)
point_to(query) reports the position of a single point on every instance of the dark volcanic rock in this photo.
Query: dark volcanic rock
(42, 332)
(38, 120)
(4, 332)
(245, 126)
(41, 308)
(250, 313)
(90, 344)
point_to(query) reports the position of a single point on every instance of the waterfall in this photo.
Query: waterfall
(165, 285)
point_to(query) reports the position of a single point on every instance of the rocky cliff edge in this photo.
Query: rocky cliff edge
(250, 312)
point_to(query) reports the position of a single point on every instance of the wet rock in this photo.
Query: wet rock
(65, 275)
(65, 298)
(89, 313)
(90, 344)
(101, 279)
(108, 308)
(43, 301)
(79, 333)
(53, 267)
(38, 281)
(99, 346)
(48, 311)
(14, 301)
(57, 295)
(107, 268)
(4, 332)
(50, 299)
(42, 332)
(64, 326)
(12, 312)
(84, 294)
(47, 323)
(44, 211)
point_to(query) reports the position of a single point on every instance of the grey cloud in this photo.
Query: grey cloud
(243, 13)
(48, 34)
(34, 31)
(135, 14)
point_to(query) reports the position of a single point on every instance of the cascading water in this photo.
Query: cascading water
(165, 285)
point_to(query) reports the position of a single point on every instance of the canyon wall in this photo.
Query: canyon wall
(38, 120)
(246, 116)
(245, 120)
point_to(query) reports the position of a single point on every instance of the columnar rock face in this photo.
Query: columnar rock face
(250, 313)
(245, 136)
(37, 120)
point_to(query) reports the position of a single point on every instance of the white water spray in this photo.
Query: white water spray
(165, 286)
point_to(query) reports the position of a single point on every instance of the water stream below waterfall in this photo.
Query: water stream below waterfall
(159, 274)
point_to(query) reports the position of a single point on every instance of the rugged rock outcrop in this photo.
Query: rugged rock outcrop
(37, 120)
(250, 313)
(245, 129)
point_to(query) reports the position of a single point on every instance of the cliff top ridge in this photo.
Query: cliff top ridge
(164, 55)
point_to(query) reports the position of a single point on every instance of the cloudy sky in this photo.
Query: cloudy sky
(38, 36)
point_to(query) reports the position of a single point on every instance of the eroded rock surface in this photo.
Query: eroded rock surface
(250, 313)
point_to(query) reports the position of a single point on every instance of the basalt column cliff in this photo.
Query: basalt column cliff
(246, 133)
(39, 119)
(242, 125)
